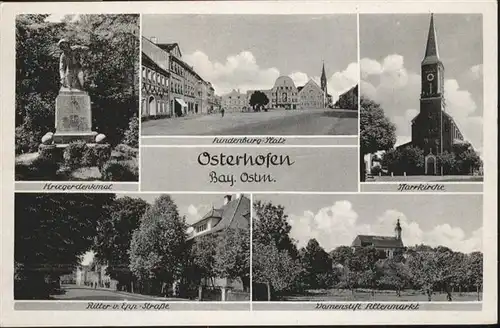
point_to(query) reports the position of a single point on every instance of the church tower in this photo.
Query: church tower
(323, 80)
(427, 129)
(397, 231)
(324, 85)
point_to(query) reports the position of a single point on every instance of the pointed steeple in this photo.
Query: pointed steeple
(323, 79)
(431, 51)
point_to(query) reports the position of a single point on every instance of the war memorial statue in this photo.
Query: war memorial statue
(73, 115)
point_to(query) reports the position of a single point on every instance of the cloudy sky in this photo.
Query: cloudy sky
(391, 50)
(193, 206)
(251, 51)
(454, 221)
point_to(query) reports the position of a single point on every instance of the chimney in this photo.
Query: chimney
(153, 39)
(227, 199)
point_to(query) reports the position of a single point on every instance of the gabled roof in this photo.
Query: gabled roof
(227, 214)
(148, 61)
(313, 83)
(378, 241)
(168, 46)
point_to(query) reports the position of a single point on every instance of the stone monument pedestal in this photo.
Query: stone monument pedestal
(73, 118)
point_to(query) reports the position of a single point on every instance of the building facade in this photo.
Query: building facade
(311, 96)
(181, 91)
(385, 244)
(155, 81)
(286, 95)
(93, 275)
(233, 214)
(433, 129)
(234, 101)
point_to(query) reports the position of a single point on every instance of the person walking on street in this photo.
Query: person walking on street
(222, 112)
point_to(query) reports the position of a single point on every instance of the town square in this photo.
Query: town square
(186, 92)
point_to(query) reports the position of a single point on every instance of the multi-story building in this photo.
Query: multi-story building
(212, 101)
(92, 275)
(311, 96)
(233, 214)
(286, 95)
(234, 101)
(155, 81)
(182, 89)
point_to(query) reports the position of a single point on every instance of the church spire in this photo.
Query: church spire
(323, 79)
(397, 230)
(431, 51)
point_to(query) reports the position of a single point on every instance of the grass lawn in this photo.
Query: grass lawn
(427, 178)
(343, 295)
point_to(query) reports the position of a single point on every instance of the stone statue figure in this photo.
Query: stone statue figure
(70, 66)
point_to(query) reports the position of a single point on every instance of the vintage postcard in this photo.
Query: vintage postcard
(248, 163)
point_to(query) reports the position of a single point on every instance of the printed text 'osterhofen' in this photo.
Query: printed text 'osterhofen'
(262, 160)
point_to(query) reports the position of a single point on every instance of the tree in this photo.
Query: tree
(114, 233)
(434, 269)
(364, 263)
(448, 162)
(348, 100)
(232, 255)
(474, 272)
(342, 255)
(36, 79)
(273, 267)
(258, 99)
(52, 232)
(423, 268)
(377, 132)
(467, 159)
(409, 159)
(158, 248)
(201, 261)
(270, 225)
(317, 266)
(395, 275)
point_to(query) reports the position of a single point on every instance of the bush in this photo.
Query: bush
(41, 168)
(376, 170)
(115, 170)
(125, 152)
(74, 154)
(131, 136)
(26, 140)
(97, 155)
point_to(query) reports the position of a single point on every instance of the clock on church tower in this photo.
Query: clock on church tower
(430, 82)
(432, 67)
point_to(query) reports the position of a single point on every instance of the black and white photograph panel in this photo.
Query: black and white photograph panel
(77, 97)
(367, 247)
(157, 247)
(249, 75)
(421, 97)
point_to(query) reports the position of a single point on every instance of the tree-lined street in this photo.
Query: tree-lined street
(274, 122)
